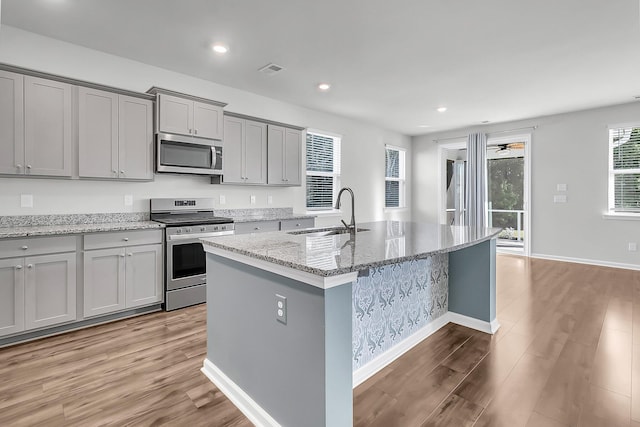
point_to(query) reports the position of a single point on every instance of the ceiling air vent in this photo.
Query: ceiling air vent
(271, 69)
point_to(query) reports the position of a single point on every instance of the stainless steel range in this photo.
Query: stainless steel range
(187, 221)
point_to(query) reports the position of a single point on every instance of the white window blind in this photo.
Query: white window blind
(624, 168)
(323, 170)
(394, 177)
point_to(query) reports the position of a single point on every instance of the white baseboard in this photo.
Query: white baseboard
(470, 322)
(376, 365)
(258, 416)
(587, 261)
(365, 372)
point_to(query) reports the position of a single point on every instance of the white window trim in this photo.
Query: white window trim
(612, 213)
(337, 159)
(402, 198)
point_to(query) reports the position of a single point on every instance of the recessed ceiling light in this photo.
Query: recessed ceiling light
(441, 109)
(324, 87)
(219, 48)
(424, 126)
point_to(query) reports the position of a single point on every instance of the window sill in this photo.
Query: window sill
(395, 209)
(626, 216)
(334, 212)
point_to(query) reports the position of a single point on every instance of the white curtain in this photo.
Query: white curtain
(476, 191)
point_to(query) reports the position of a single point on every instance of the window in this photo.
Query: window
(624, 168)
(323, 170)
(394, 177)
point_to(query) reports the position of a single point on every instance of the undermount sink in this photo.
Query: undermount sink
(317, 232)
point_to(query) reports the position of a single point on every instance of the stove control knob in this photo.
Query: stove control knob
(203, 228)
(224, 227)
(215, 228)
(179, 230)
(187, 230)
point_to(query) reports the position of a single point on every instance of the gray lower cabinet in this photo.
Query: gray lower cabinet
(35, 126)
(37, 292)
(285, 156)
(275, 225)
(245, 151)
(115, 137)
(118, 274)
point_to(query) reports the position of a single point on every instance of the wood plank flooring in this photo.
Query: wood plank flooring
(567, 354)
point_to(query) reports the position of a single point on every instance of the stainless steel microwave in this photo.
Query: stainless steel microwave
(184, 154)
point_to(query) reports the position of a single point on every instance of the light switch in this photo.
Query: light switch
(561, 187)
(559, 198)
(253, 199)
(270, 200)
(26, 200)
(223, 199)
(128, 200)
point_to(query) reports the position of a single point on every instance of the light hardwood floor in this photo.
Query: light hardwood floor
(567, 354)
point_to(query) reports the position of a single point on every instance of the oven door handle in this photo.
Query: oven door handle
(198, 235)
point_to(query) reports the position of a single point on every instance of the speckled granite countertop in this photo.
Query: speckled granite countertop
(52, 225)
(385, 242)
(261, 214)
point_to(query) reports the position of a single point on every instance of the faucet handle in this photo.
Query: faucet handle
(345, 224)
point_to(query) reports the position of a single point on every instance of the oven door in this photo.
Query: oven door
(186, 260)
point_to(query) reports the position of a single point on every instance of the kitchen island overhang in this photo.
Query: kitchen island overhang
(352, 306)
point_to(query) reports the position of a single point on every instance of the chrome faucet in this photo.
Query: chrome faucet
(352, 224)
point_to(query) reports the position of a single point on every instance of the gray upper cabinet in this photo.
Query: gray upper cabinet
(47, 127)
(115, 138)
(187, 117)
(245, 151)
(11, 124)
(35, 126)
(284, 160)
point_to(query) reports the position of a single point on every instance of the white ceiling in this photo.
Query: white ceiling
(391, 63)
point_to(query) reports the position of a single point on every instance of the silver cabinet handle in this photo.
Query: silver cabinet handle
(24, 248)
(257, 228)
(298, 225)
(19, 166)
(29, 265)
(129, 254)
(115, 171)
(190, 131)
(126, 239)
(28, 166)
(195, 131)
(121, 255)
(122, 172)
(18, 267)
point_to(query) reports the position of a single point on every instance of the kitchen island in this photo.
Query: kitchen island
(296, 319)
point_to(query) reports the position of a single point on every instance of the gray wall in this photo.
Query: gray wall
(362, 143)
(567, 149)
(300, 373)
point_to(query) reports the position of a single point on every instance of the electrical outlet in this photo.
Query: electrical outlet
(270, 200)
(253, 199)
(26, 200)
(559, 198)
(281, 309)
(128, 200)
(633, 246)
(223, 199)
(561, 187)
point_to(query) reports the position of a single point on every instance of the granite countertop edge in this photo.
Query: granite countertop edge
(260, 218)
(346, 270)
(57, 230)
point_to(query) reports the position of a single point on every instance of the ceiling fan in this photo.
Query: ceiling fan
(504, 149)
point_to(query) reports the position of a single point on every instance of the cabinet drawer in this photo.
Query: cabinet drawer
(257, 226)
(293, 224)
(122, 238)
(36, 246)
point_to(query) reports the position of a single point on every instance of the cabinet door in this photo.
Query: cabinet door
(104, 281)
(143, 275)
(47, 127)
(11, 123)
(11, 296)
(50, 290)
(292, 156)
(276, 155)
(97, 133)
(232, 154)
(176, 115)
(255, 151)
(135, 133)
(207, 121)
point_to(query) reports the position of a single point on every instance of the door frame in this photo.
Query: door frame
(491, 140)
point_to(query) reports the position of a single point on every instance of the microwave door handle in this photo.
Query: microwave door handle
(214, 158)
